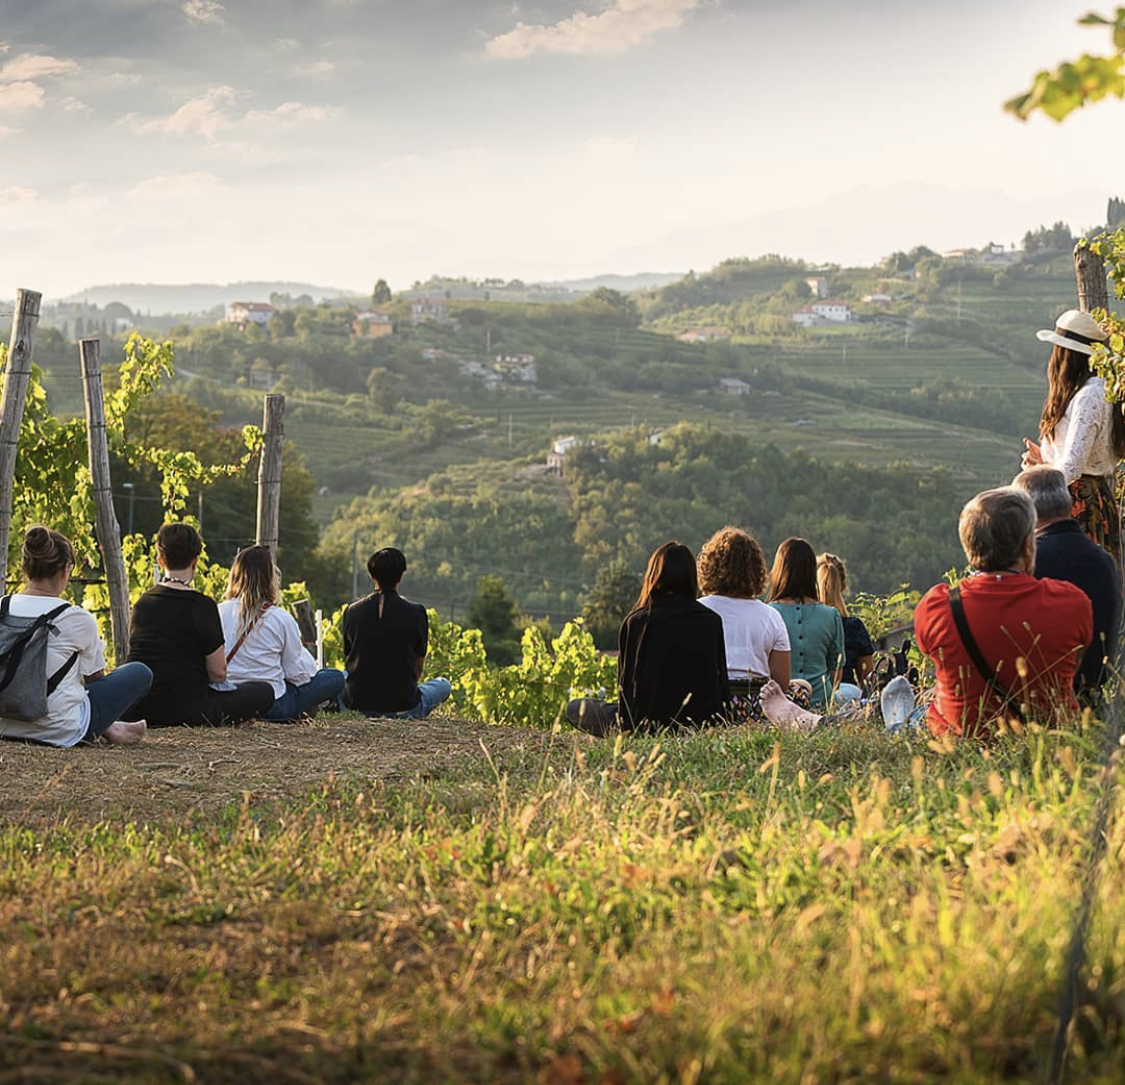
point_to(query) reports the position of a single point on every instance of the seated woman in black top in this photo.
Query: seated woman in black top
(672, 662)
(859, 651)
(176, 631)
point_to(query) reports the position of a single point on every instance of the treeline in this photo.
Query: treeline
(633, 490)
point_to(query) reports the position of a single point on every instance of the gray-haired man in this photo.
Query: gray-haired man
(1063, 552)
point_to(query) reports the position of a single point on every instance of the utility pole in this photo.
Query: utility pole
(355, 564)
(129, 514)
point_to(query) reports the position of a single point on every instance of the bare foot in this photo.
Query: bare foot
(124, 733)
(783, 713)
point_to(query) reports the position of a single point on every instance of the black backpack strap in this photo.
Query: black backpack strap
(4, 604)
(978, 660)
(61, 673)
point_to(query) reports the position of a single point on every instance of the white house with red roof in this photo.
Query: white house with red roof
(249, 312)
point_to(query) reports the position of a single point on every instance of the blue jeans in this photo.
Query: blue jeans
(297, 701)
(112, 696)
(848, 693)
(434, 692)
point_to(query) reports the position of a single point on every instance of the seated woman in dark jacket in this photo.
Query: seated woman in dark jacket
(672, 666)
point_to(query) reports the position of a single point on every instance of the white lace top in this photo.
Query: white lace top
(1082, 441)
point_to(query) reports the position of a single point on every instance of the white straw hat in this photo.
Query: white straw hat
(1074, 330)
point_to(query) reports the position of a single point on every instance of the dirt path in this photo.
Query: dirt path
(176, 771)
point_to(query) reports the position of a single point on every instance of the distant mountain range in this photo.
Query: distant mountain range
(195, 297)
(189, 298)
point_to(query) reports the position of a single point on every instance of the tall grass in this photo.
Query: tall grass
(725, 907)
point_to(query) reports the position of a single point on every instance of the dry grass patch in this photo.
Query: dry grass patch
(181, 771)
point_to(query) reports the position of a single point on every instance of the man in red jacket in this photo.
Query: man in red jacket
(1030, 634)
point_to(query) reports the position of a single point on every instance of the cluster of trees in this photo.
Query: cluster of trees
(1056, 238)
(628, 494)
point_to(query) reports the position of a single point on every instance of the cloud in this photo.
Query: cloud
(202, 12)
(13, 194)
(33, 66)
(213, 113)
(183, 184)
(292, 113)
(286, 45)
(17, 96)
(7, 130)
(624, 25)
(206, 115)
(316, 67)
(74, 105)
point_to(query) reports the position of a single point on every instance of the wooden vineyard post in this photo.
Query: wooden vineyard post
(17, 375)
(1089, 272)
(109, 531)
(269, 472)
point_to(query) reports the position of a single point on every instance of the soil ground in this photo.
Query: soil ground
(177, 772)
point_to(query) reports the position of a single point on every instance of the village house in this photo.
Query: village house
(372, 324)
(833, 310)
(249, 312)
(818, 286)
(429, 311)
(733, 386)
(561, 447)
(878, 299)
(825, 311)
(703, 335)
(519, 367)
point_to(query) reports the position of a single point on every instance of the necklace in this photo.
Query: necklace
(998, 573)
(176, 580)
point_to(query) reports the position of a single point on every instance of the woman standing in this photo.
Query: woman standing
(83, 703)
(672, 665)
(1081, 434)
(263, 642)
(816, 632)
(832, 586)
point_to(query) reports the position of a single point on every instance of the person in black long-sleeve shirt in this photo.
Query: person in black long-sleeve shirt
(1064, 552)
(672, 664)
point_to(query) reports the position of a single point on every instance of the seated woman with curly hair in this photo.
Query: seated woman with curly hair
(732, 574)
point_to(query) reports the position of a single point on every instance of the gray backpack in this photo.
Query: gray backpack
(24, 685)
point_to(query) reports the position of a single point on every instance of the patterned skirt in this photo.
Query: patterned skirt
(1094, 506)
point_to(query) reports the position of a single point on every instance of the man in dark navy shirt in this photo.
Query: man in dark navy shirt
(385, 642)
(1063, 552)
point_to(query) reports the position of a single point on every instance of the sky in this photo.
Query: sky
(339, 141)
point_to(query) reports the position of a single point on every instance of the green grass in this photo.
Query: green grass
(842, 907)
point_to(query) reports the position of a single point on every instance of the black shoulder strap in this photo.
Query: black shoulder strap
(60, 674)
(981, 664)
(5, 603)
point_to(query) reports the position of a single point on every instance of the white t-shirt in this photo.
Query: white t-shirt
(751, 630)
(1082, 443)
(68, 708)
(273, 651)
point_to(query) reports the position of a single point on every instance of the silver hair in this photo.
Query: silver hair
(1047, 489)
(994, 527)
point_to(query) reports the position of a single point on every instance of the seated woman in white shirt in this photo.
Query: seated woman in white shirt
(83, 703)
(263, 641)
(732, 574)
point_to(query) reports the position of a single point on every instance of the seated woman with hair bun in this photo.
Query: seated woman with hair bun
(263, 641)
(75, 655)
(732, 574)
(176, 631)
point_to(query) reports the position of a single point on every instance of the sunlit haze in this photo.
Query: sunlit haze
(335, 142)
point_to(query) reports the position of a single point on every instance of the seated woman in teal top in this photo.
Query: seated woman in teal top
(816, 631)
